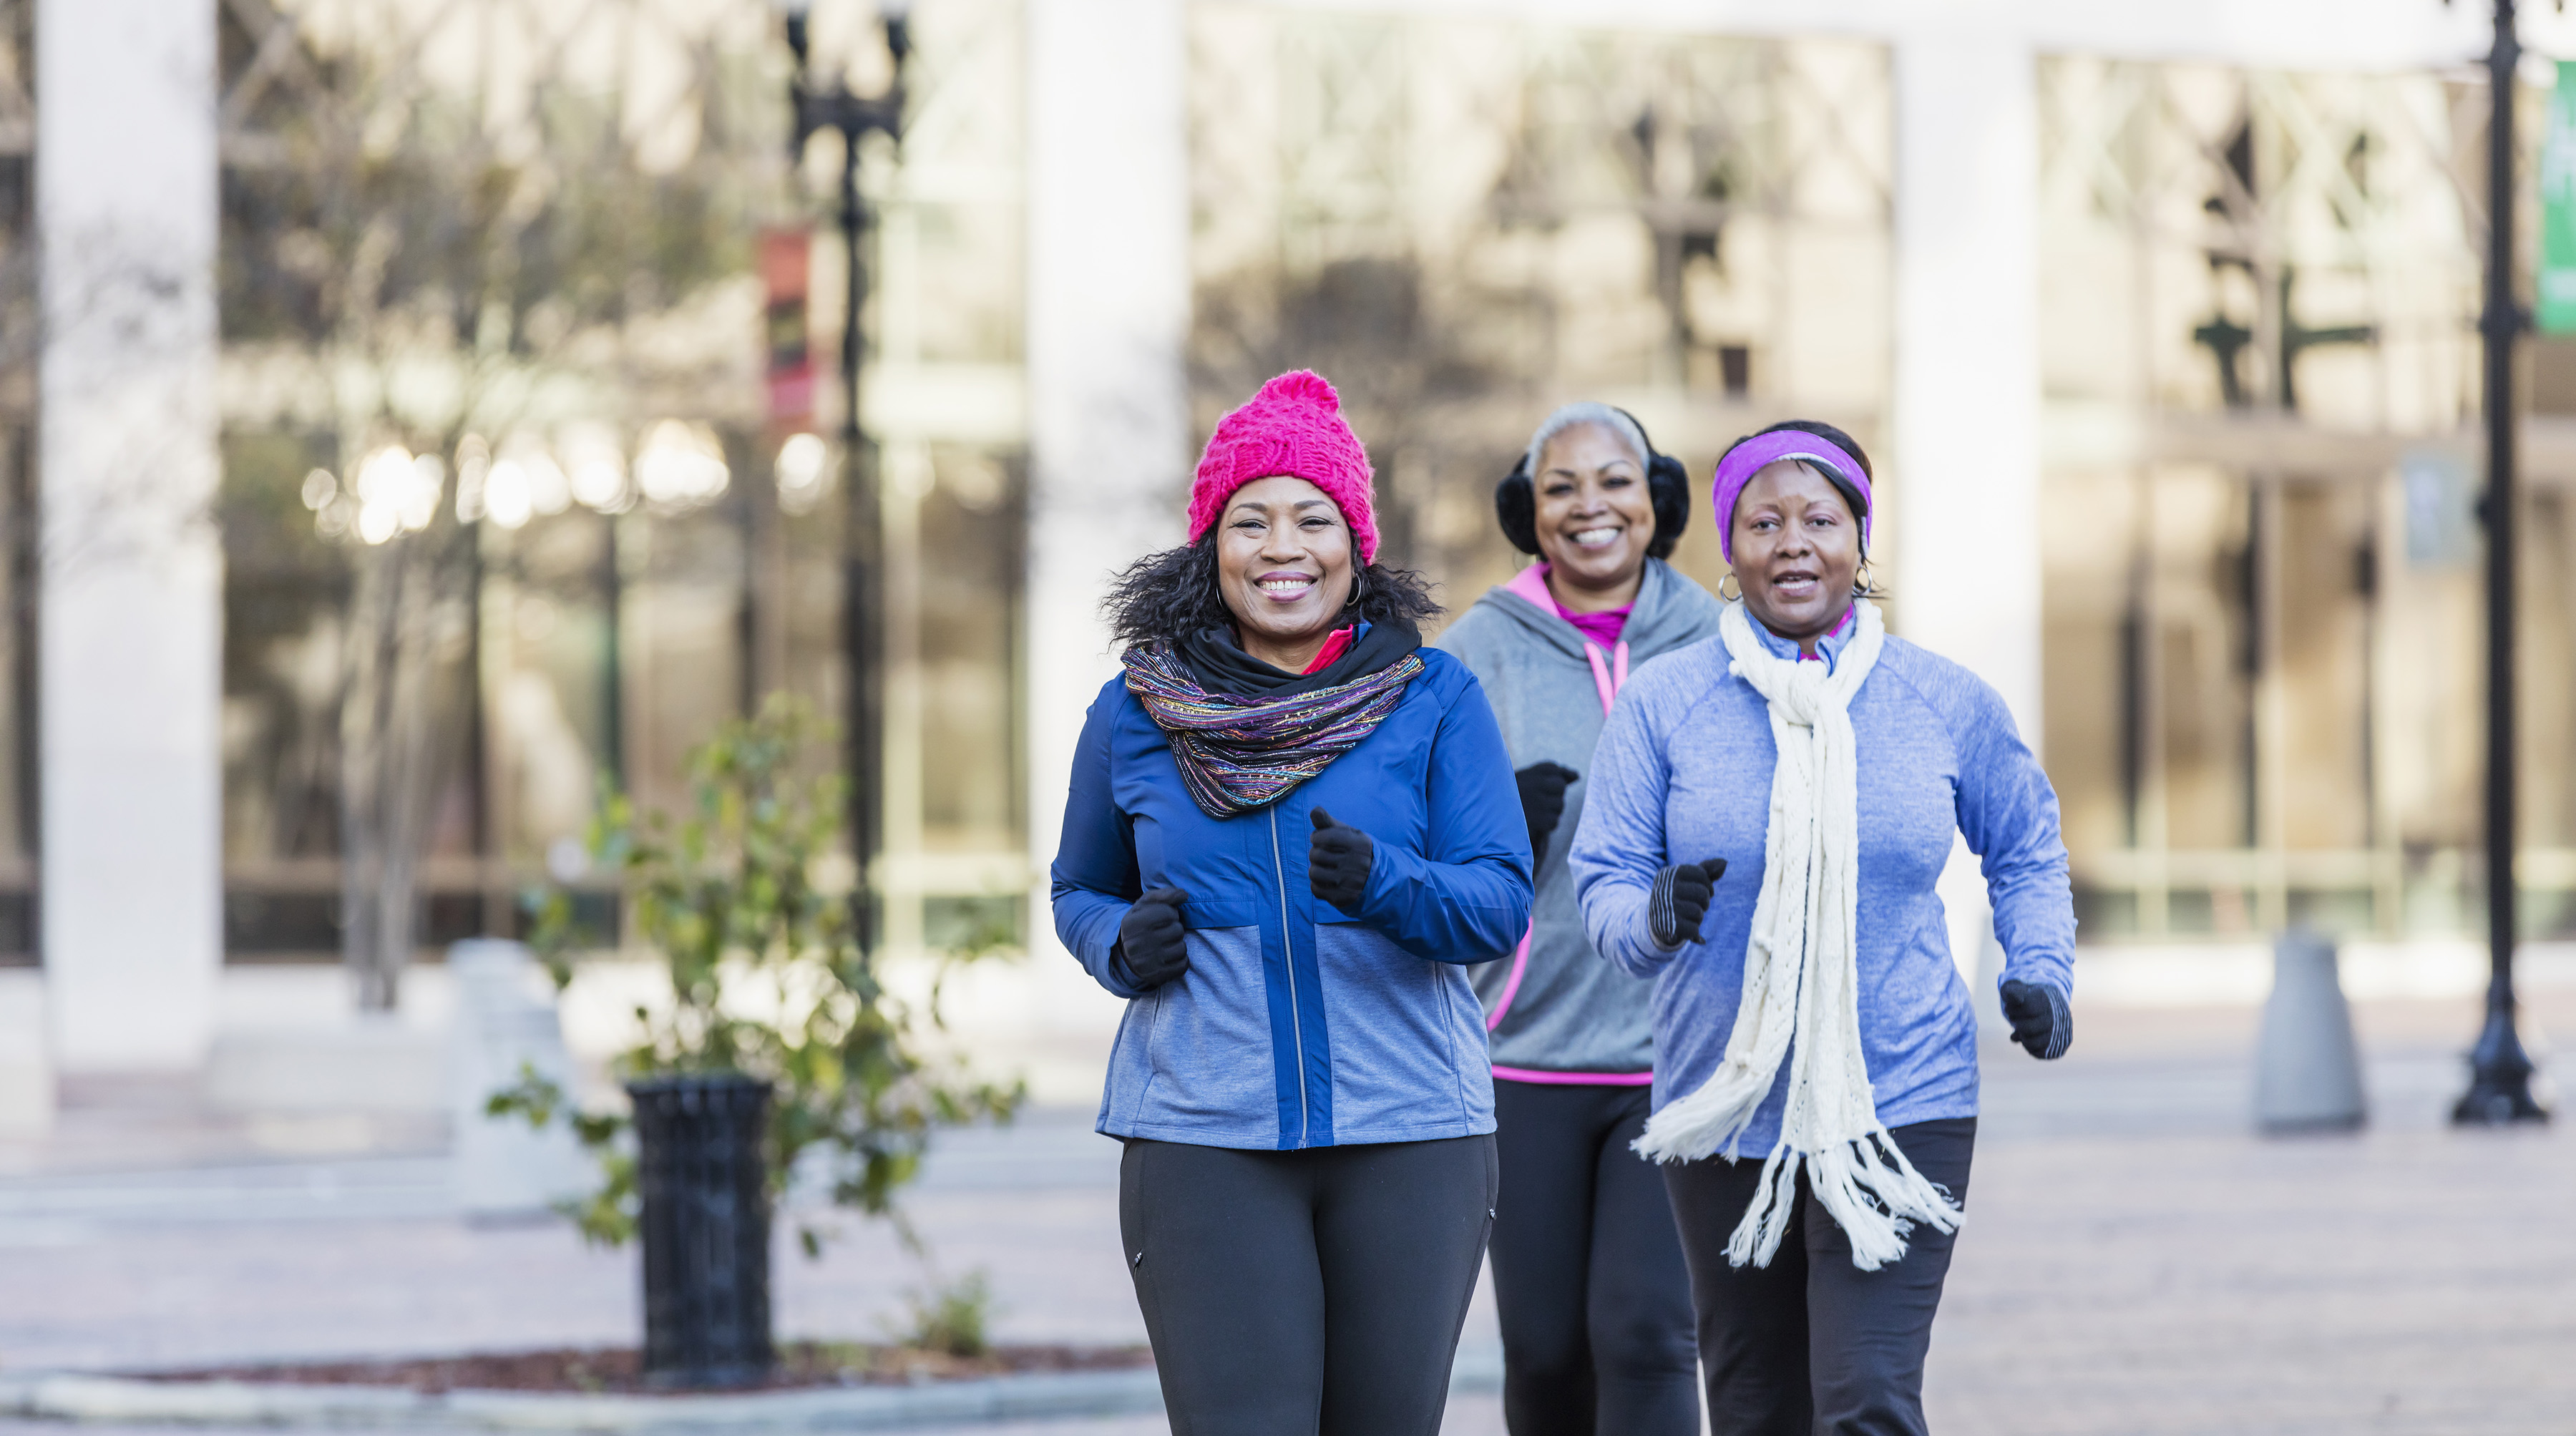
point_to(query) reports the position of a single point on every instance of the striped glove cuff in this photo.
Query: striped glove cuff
(2061, 1025)
(1661, 920)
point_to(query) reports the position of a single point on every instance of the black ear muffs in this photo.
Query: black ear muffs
(1516, 507)
(1667, 489)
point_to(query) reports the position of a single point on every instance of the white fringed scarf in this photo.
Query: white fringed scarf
(1801, 979)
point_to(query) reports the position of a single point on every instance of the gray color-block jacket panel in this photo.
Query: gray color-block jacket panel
(1573, 1011)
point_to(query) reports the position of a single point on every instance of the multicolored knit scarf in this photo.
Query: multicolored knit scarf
(1239, 754)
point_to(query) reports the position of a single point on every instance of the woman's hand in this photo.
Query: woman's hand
(1543, 788)
(2041, 1021)
(1680, 900)
(1151, 942)
(1337, 863)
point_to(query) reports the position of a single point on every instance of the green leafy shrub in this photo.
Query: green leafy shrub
(951, 1317)
(767, 979)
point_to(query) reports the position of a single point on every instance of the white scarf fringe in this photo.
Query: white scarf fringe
(1801, 979)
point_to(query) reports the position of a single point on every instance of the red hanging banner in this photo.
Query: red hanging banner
(786, 272)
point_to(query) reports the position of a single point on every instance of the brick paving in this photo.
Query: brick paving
(2136, 1261)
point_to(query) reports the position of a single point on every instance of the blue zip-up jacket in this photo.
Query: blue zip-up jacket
(1299, 1025)
(1683, 773)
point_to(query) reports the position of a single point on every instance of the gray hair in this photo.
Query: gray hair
(1621, 427)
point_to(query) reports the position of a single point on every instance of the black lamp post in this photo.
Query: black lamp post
(2500, 1071)
(828, 104)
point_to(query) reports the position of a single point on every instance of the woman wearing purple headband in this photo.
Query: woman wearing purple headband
(1807, 1011)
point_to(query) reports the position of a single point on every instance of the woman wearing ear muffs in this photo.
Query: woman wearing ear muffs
(1588, 1273)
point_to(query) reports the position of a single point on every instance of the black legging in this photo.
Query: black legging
(1811, 1343)
(1588, 1274)
(1313, 1293)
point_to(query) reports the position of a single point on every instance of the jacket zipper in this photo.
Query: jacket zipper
(1288, 953)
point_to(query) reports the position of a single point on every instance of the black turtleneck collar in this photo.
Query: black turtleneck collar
(1221, 666)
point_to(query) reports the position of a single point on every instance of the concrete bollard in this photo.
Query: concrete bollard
(502, 1166)
(2307, 1072)
(26, 1056)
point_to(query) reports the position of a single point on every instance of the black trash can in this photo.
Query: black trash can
(703, 1178)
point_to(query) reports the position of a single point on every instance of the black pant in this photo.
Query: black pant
(1588, 1273)
(1812, 1343)
(1314, 1293)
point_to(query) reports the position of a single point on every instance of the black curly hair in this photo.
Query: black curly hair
(1164, 595)
(1667, 488)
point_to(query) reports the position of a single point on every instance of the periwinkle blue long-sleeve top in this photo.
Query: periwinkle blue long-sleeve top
(1683, 774)
(1298, 1024)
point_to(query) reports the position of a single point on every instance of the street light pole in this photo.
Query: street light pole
(821, 105)
(2500, 1071)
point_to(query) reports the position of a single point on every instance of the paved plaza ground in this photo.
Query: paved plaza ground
(2136, 1259)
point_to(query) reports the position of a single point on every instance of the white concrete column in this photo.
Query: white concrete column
(1966, 477)
(1109, 310)
(130, 684)
(1965, 485)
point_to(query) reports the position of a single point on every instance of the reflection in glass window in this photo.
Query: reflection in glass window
(546, 669)
(18, 555)
(971, 783)
(286, 600)
(2259, 341)
(19, 551)
(458, 238)
(560, 323)
(945, 399)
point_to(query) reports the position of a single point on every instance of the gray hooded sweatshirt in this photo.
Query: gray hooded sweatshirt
(1564, 1009)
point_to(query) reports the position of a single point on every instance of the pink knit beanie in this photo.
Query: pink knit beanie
(1294, 426)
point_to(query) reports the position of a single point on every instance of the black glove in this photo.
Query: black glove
(1543, 788)
(1680, 900)
(1151, 946)
(2041, 1021)
(1337, 862)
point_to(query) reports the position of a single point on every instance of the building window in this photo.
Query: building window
(2263, 644)
(21, 549)
(536, 281)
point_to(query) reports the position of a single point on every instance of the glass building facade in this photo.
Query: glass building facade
(516, 245)
(2265, 674)
(504, 515)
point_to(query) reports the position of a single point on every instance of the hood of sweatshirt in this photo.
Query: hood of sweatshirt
(1569, 1011)
(1670, 611)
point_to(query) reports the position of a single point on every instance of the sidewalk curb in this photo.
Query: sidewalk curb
(118, 1400)
(109, 1399)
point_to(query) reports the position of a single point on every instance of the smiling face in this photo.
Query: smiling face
(1797, 551)
(1595, 517)
(1284, 568)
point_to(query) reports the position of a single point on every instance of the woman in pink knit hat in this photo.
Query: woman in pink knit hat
(1291, 829)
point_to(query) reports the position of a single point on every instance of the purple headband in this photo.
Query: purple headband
(1763, 450)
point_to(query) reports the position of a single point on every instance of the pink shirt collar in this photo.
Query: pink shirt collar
(1603, 628)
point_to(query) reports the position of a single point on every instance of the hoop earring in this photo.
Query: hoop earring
(1735, 597)
(1865, 582)
(1359, 589)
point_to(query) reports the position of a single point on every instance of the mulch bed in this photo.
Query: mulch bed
(802, 1365)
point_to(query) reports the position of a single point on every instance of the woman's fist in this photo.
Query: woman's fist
(2041, 1021)
(1543, 788)
(1337, 863)
(1151, 942)
(1680, 900)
